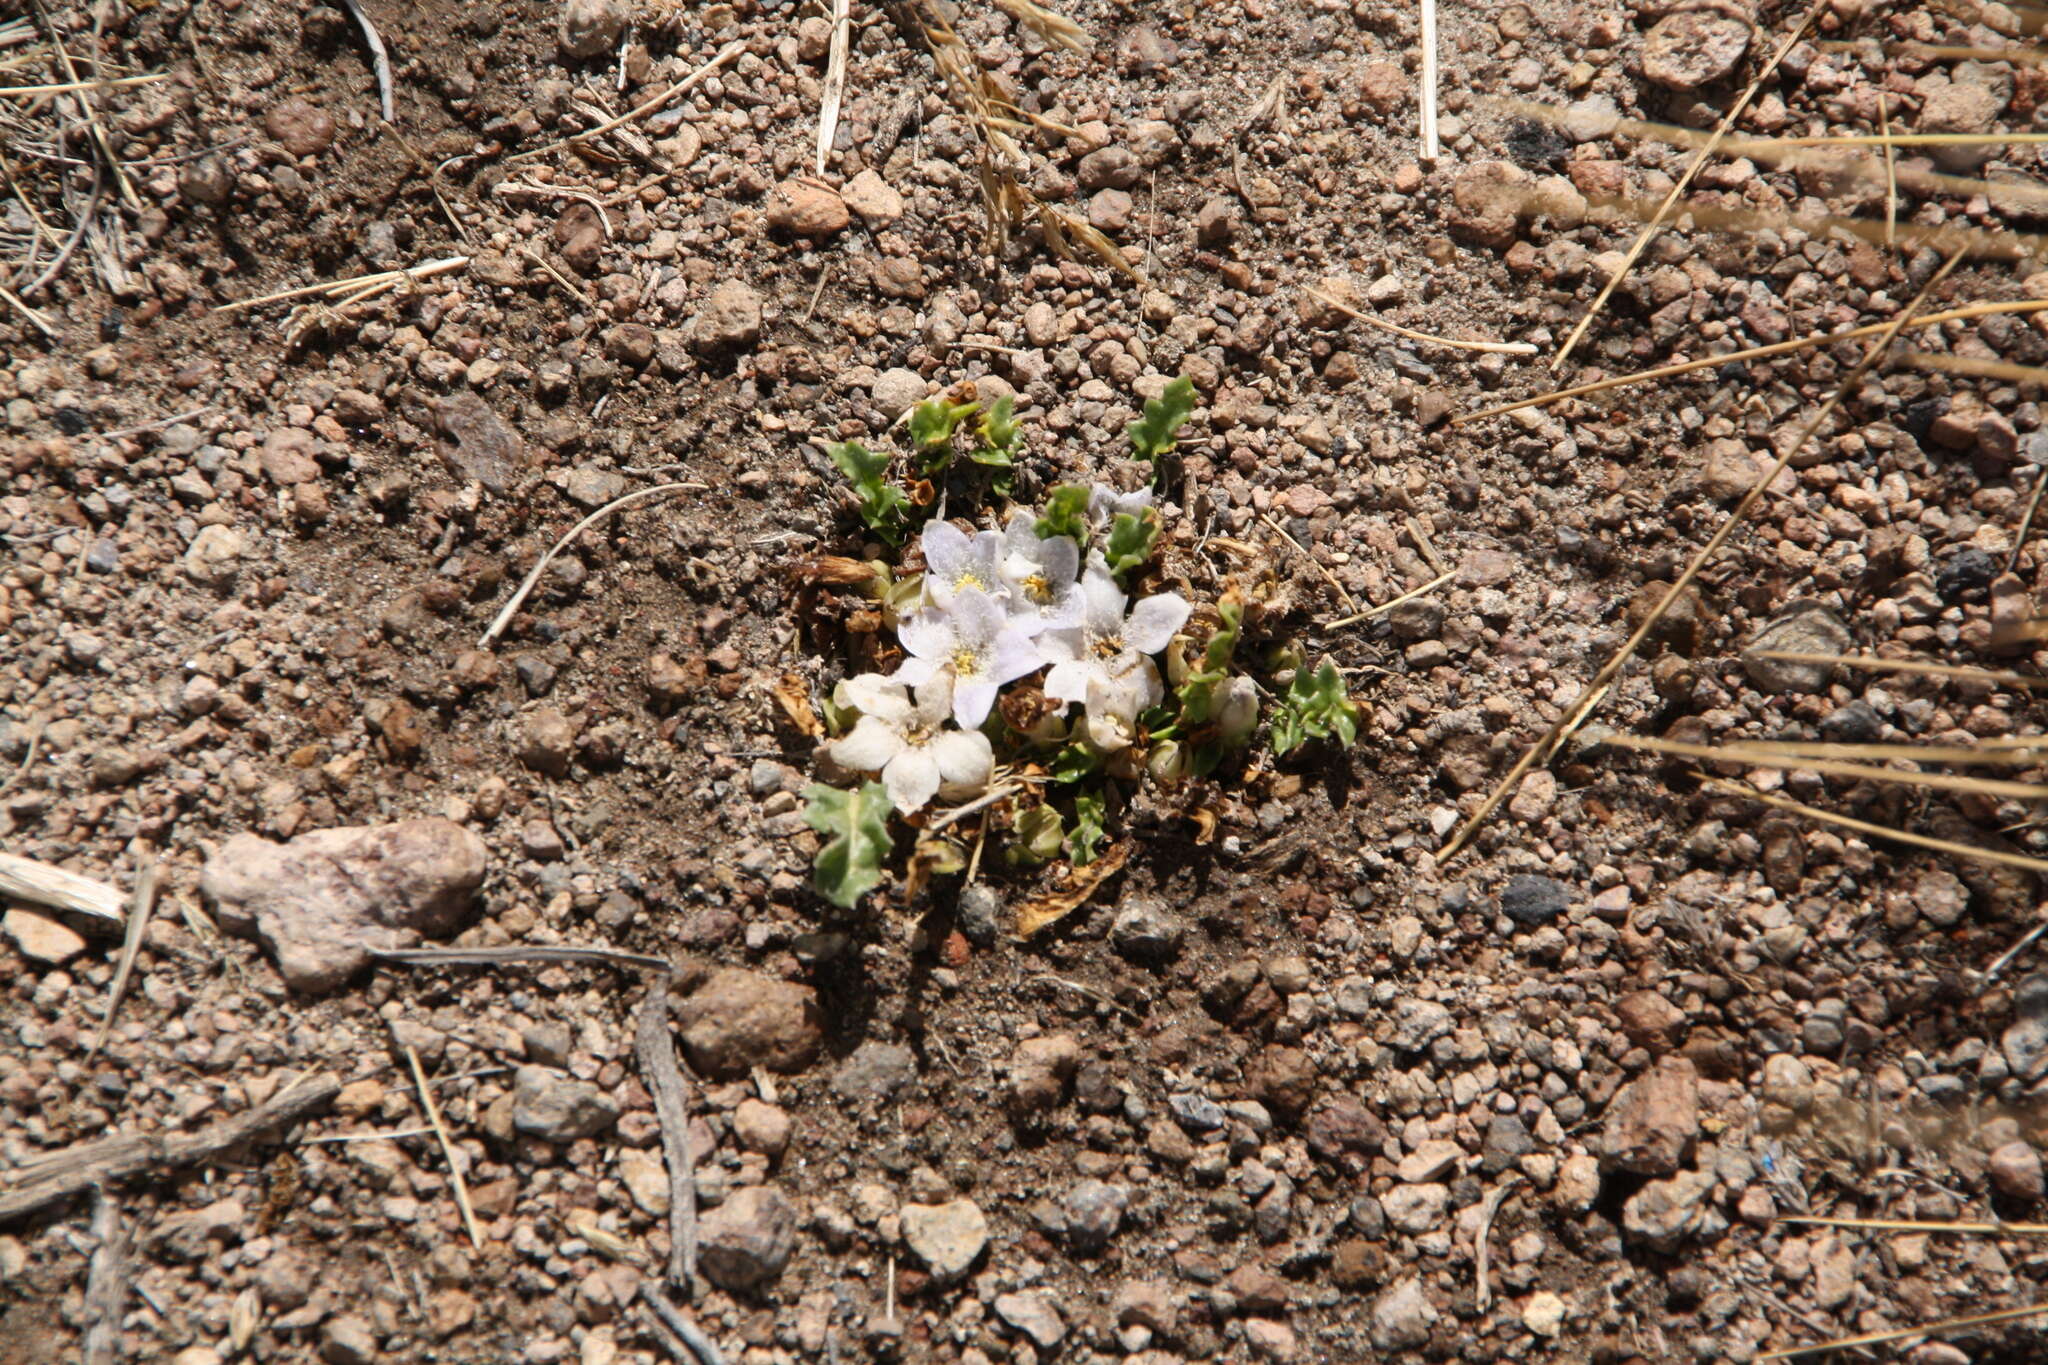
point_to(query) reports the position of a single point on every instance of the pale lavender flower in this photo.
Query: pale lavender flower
(1105, 662)
(977, 642)
(1041, 574)
(955, 561)
(906, 742)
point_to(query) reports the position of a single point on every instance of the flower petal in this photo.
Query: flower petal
(1104, 602)
(964, 757)
(1060, 559)
(1015, 655)
(945, 550)
(871, 694)
(1068, 680)
(869, 747)
(972, 701)
(978, 618)
(929, 634)
(1057, 645)
(912, 779)
(918, 672)
(1154, 621)
(934, 702)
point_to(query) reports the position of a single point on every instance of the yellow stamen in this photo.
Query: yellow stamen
(966, 663)
(1038, 588)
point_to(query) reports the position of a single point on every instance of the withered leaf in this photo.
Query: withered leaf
(793, 694)
(1041, 911)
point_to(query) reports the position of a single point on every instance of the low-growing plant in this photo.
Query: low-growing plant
(1044, 673)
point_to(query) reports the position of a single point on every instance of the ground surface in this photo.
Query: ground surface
(1311, 1082)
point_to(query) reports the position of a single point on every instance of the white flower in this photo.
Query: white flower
(977, 643)
(1108, 655)
(903, 741)
(1104, 503)
(1041, 575)
(955, 561)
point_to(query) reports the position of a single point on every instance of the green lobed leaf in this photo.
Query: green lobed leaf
(1198, 693)
(1316, 706)
(1039, 835)
(999, 432)
(857, 821)
(932, 424)
(1086, 840)
(1066, 514)
(1075, 762)
(882, 504)
(1131, 540)
(1156, 433)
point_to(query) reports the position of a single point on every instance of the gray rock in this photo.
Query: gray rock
(1034, 1316)
(1507, 1141)
(1198, 1114)
(898, 390)
(1804, 627)
(1416, 1209)
(1687, 50)
(947, 1237)
(1401, 1317)
(1653, 1124)
(324, 900)
(1418, 1023)
(1146, 931)
(1093, 1211)
(979, 914)
(744, 1243)
(874, 1073)
(1664, 1213)
(1534, 900)
(476, 444)
(2026, 1041)
(548, 1104)
(347, 1340)
(729, 321)
(591, 28)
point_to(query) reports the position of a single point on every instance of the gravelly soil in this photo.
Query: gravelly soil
(1286, 1086)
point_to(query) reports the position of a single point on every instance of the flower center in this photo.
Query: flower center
(1107, 646)
(1038, 588)
(966, 663)
(968, 578)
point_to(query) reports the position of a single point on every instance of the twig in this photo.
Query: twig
(431, 175)
(1494, 347)
(1482, 1252)
(1699, 161)
(72, 1171)
(1420, 535)
(560, 192)
(641, 110)
(1388, 606)
(106, 1282)
(1975, 365)
(25, 879)
(373, 1137)
(1915, 1225)
(139, 908)
(493, 957)
(2006, 958)
(1609, 671)
(153, 426)
(40, 323)
(28, 759)
(77, 87)
(1891, 174)
(982, 802)
(419, 1079)
(2019, 541)
(1430, 149)
(124, 189)
(1861, 772)
(379, 60)
(504, 618)
(1975, 310)
(426, 270)
(1925, 1329)
(78, 231)
(673, 1318)
(568, 285)
(1967, 851)
(835, 81)
(1875, 664)
(1277, 529)
(654, 1048)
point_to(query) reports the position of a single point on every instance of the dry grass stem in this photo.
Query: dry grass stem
(1830, 767)
(25, 879)
(560, 192)
(1900, 1333)
(1776, 348)
(1387, 606)
(644, 108)
(1692, 170)
(655, 1049)
(1929, 753)
(504, 618)
(106, 1283)
(1496, 347)
(380, 61)
(79, 87)
(498, 957)
(1427, 121)
(1875, 664)
(1891, 174)
(1056, 29)
(2010, 955)
(1611, 670)
(2019, 540)
(139, 908)
(1969, 852)
(568, 285)
(448, 1152)
(1277, 529)
(357, 285)
(1911, 1225)
(1981, 367)
(835, 81)
(35, 319)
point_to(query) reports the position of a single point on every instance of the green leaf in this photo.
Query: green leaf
(1198, 693)
(999, 433)
(1131, 540)
(858, 823)
(1316, 706)
(1075, 762)
(1156, 433)
(1039, 836)
(1066, 514)
(861, 466)
(882, 504)
(1089, 813)
(932, 424)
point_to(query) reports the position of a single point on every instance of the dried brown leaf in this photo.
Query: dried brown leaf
(1082, 882)
(793, 695)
